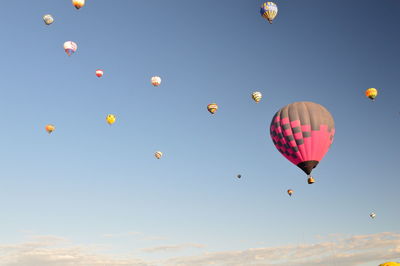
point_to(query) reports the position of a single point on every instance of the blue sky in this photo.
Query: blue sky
(99, 185)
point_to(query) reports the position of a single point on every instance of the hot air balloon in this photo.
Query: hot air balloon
(269, 10)
(158, 154)
(303, 133)
(99, 73)
(239, 176)
(48, 19)
(50, 128)
(70, 47)
(256, 96)
(110, 119)
(78, 3)
(290, 192)
(212, 108)
(390, 263)
(371, 93)
(372, 215)
(156, 81)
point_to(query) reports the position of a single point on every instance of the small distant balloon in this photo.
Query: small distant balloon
(269, 10)
(70, 47)
(239, 176)
(110, 119)
(48, 19)
(256, 96)
(290, 192)
(212, 108)
(50, 128)
(99, 73)
(78, 3)
(158, 154)
(156, 81)
(372, 215)
(371, 93)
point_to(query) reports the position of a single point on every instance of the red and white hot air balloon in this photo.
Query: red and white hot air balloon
(99, 73)
(156, 81)
(70, 47)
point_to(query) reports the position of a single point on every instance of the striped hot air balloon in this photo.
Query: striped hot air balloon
(212, 108)
(99, 73)
(371, 93)
(156, 81)
(70, 47)
(269, 10)
(303, 133)
(256, 96)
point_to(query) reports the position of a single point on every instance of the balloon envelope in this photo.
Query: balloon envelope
(212, 108)
(303, 132)
(78, 3)
(99, 73)
(50, 128)
(70, 47)
(256, 96)
(269, 10)
(156, 81)
(48, 19)
(111, 119)
(371, 93)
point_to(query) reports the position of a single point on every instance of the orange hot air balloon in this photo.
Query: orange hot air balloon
(50, 128)
(290, 192)
(371, 93)
(212, 108)
(78, 3)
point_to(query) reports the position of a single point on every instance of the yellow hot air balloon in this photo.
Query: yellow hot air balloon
(158, 154)
(269, 10)
(290, 192)
(78, 3)
(256, 96)
(212, 108)
(371, 93)
(390, 263)
(111, 119)
(50, 128)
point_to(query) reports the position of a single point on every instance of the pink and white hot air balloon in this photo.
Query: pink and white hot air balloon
(156, 81)
(70, 47)
(99, 73)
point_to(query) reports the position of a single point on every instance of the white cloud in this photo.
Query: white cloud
(350, 251)
(172, 248)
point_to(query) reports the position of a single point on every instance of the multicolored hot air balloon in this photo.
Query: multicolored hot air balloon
(371, 93)
(303, 133)
(50, 128)
(48, 19)
(158, 154)
(111, 119)
(156, 81)
(269, 10)
(99, 73)
(212, 108)
(390, 263)
(78, 3)
(70, 47)
(290, 192)
(256, 96)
